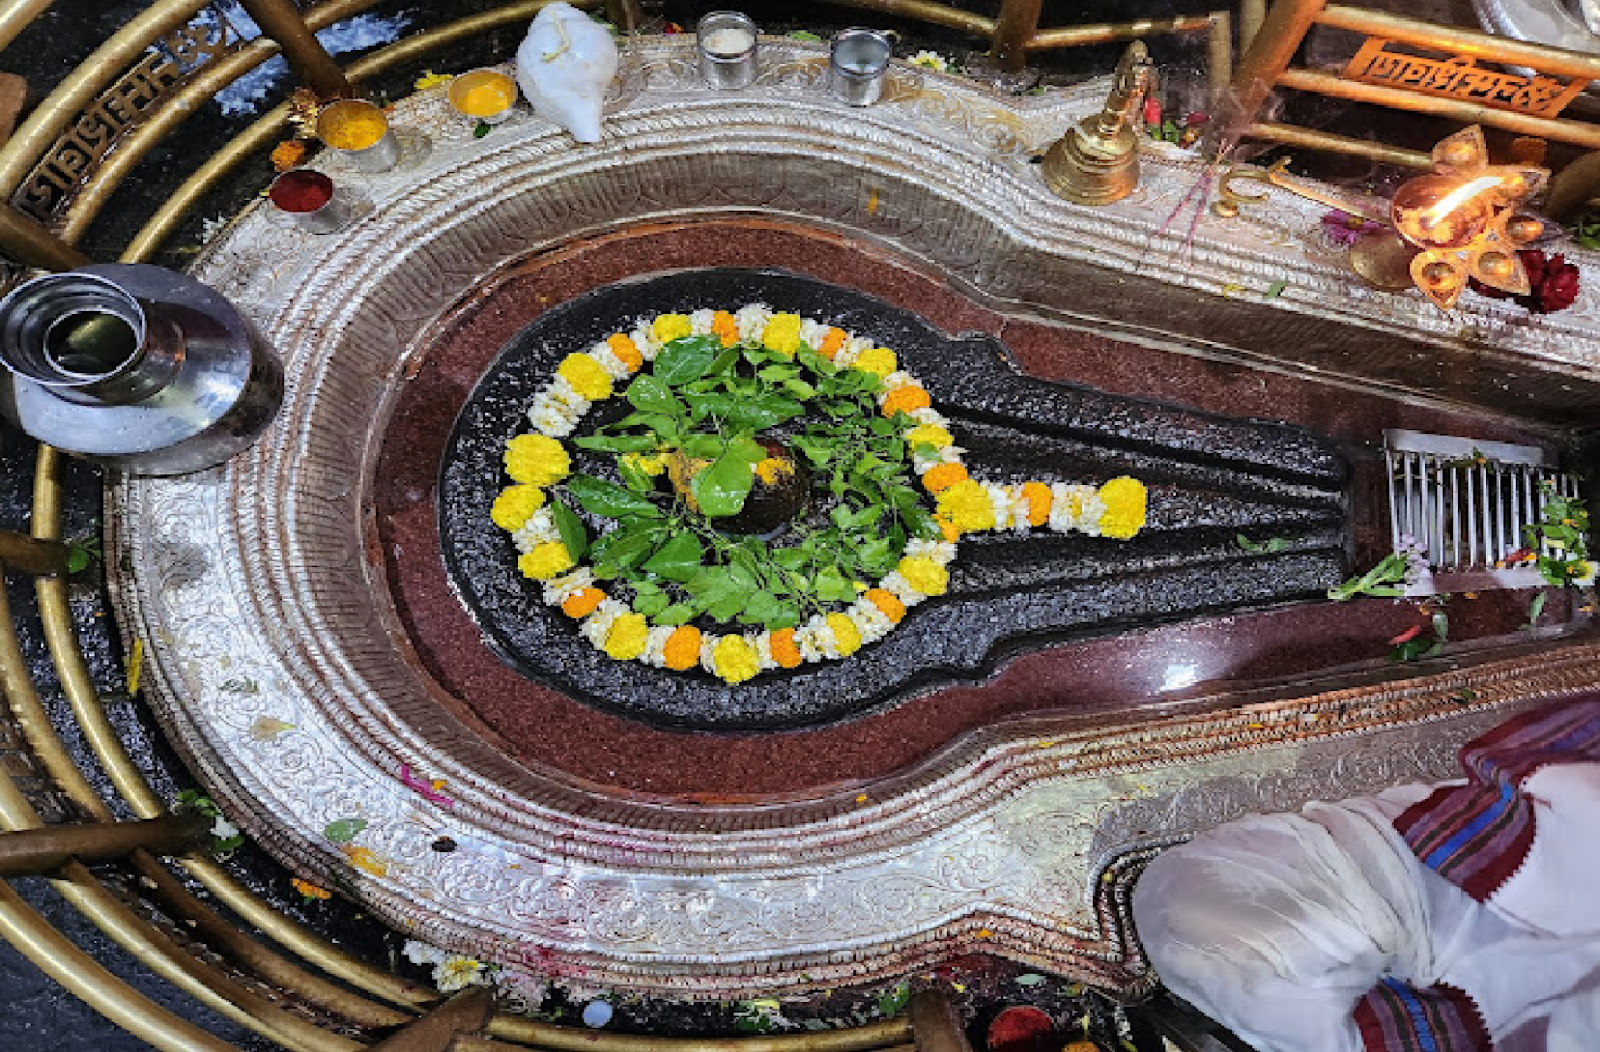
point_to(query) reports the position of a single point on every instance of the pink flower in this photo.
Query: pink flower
(423, 788)
(1345, 229)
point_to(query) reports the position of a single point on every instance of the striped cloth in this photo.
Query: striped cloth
(1477, 835)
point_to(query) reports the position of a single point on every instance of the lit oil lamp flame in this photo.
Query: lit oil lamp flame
(1458, 197)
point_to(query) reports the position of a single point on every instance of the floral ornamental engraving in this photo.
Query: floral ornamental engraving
(1460, 77)
(73, 158)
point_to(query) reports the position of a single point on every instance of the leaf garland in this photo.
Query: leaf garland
(707, 404)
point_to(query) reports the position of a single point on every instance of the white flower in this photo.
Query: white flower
(752, 319)
(223, 829)
(1586, 578)
(700, 321)
(931, 60)
(458, 973)
(421, 953)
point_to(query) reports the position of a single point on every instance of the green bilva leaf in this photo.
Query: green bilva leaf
(745, 448)
(686, 359)
(833, 588)
(609, 499)
(678, 559)
(651, 604)
(617, 443)
(650, 394)
(702, 446)
(676, 614)
(624, 549)
(344, 830)
(573, 535)
(721, 489)
(77, 559)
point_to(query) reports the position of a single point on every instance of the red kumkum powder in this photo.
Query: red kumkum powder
(301, 191)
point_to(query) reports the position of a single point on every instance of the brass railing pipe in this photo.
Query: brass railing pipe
(78, 88)
(27, 555)
(16, 15)
(83, 976)
(32, 245)
(1219, 51)
(1108, 32)
(1251, 14)
(465, 1013)
(1579, 133)
(527, 1031)
(269, 127)
(1546, 59)
(197, 90)
(935, 1025)
(1269, 54)
(282, 21)
(1018, 22)
(28, 852)
(928, 11)
(1312, 139)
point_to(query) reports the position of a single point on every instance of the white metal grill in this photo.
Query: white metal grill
(1467, 503)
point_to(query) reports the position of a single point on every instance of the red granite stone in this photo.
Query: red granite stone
(1112, 680)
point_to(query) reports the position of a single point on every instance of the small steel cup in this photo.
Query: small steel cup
(727, 43)
(334, 126)
(288, 194)
(857, 65)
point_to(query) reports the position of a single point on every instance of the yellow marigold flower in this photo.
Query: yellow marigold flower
(310, 890)
(581, 604)
(362, 858)
(1038, 496)
(772, 468)
(734, 659)
(941, 477)
(832, 341)
(537, 460)
(627, 637)
(888, 605)
(846, 636)
(682, 651)
(725, 327)
(784, 651)
(925, 575)
(929, 435)
(430, 79)
(782, 333)
(669, 327)
(967, 505)
(1125, 501)
(291, 153)
(545, 561)
(515, 506)
(587, 376)
(880, 360)
(627, 353)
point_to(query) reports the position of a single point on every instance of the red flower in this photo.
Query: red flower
(1556, 288)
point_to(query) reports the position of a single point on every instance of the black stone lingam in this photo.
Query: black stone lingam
(1210, 479)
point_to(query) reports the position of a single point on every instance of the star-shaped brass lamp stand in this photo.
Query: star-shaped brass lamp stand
(1464, 217)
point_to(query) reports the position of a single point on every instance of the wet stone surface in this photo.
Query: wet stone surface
(1209, 477)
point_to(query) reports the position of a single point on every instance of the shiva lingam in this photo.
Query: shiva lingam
(1097, 162)
(135, 366)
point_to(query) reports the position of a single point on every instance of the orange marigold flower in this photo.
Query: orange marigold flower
(682, 651)
(582, 602)
(288, 154)
(949, 530)
(832, 342)
(1038, 496)
(622, 346)
(726, 326)
(905, 399)
(942, 477)
(310, 890)
(887, 604)
(784, 652)
(362, 858)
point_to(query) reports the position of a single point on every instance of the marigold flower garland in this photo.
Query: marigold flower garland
(539, 460)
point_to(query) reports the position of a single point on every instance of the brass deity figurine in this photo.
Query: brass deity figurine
(1097, 161)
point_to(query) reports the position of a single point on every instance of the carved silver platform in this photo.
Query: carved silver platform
(274, 662)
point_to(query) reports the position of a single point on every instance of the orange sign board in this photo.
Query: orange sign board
(1460, 77)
